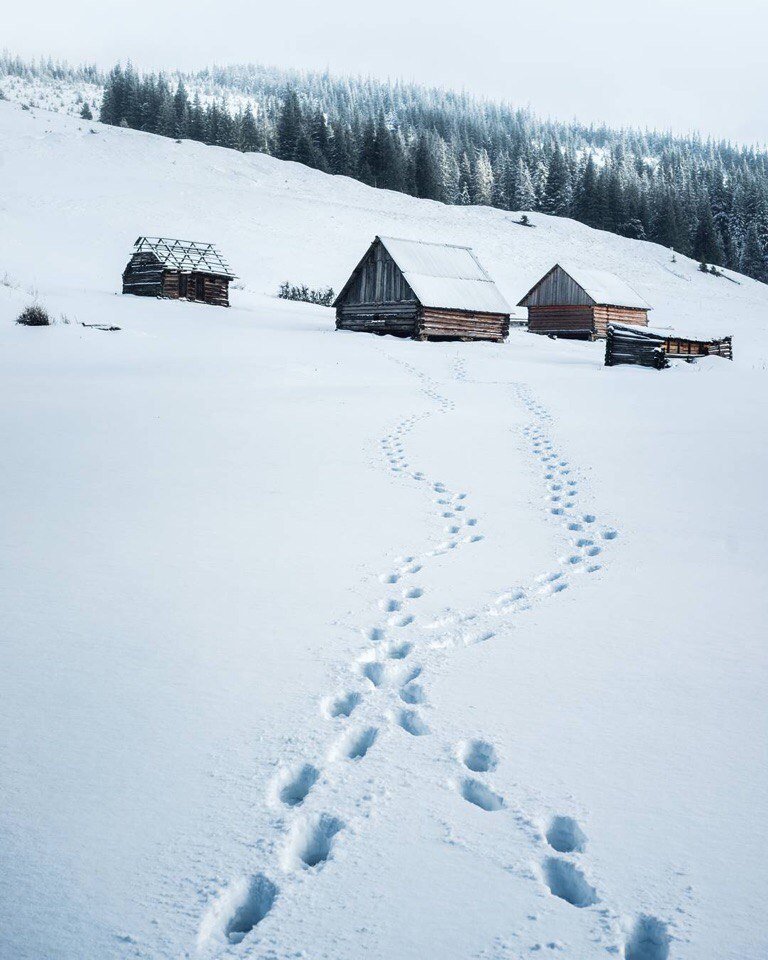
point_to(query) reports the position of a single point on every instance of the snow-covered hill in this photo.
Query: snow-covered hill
(343, 646)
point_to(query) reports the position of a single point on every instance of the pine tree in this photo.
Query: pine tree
(85, 111)
(290, 127)
(707, 245)
(753, 257)
(481, 186)
(525, 195)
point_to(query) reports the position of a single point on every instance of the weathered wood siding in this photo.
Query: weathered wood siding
(377, 298)
(143, 276)
(556, 289)
(605, 315)
(581, 322)
(146, 277)
(650, 349)
(435, 324)
(574, 321)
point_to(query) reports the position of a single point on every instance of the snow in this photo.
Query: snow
(319, 644)
(445, 277)
(605, 287)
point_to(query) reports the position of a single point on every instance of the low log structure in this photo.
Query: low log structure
(178, 269)
(580, 303)
(427, 291)
(655, 348)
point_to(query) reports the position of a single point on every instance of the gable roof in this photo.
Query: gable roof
(184, 255)
(601, 286)
(442, 276)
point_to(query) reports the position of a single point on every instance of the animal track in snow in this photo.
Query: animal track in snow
(240, 908)
(311, 840)
(343, 705)
(412, 723)
(412, 693)
(390, 605)
(355, 745)
(649, 940)
(479, 756)
(413, 593)
(294, 784)
(477, 793)
(566, 881)
(398, 651)
(565, 835)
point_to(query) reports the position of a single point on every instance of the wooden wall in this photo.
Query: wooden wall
(654, 350)
(460, 325)
(581, 322)
(377, 298)
(146, 277)
(628, 315)
(556, 289)
(143, 276)
(564, 321)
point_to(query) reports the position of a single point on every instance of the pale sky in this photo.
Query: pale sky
(677, 65)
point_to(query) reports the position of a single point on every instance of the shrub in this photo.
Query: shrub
(34, 316)
(322, 297)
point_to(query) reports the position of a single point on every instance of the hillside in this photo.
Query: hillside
(325, 645)
(703, 198)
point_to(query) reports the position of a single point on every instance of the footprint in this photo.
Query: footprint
(412, 723)
(592, 551)
(573, 559)
(311, 840)
(412, 568)
(412, 693)
(240, 908)
(584, 542)
(413, 593)
(574, 526)
(402, 621)
(594, 568)
(390, 578)
(375, 671)
(481, 796)
(376, 635)
(477, 538)
(472, 522)
(557, 511)
(478, 755)
(355, 745)
(390, 606)
(294, 784)
(566, 836)
(610, 534)
(566, 881)
(399, 651)
(589, 518)
(343, 705)
(649, 940)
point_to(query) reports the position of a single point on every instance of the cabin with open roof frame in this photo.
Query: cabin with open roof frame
(426, 291)
(580, 302)
(178, 269)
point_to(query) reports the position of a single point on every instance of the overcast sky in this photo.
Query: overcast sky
(676, 64)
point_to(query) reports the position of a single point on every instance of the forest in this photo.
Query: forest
(699, 197)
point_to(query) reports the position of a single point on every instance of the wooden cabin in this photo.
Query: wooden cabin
(179, 269)
(580, 303)
(649, 347)
(427, 291)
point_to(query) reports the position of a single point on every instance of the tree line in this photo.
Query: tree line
(702, 198)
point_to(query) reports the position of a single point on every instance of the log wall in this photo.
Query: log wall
(573, 320)
(435, 324)
(605, 315)
(143, 276)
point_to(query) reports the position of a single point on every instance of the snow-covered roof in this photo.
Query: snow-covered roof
(668, 333)
(605, 288)
(446, 277)
(184, 255)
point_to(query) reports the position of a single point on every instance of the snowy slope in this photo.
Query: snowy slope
(535, 585)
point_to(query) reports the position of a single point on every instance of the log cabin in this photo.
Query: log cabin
(426, 291)
(648, 347)
(179, 269)
(580, 303)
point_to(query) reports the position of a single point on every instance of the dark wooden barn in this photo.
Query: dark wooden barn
(655, 348)
(428, 291)
(180, 269)
(580, 303)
